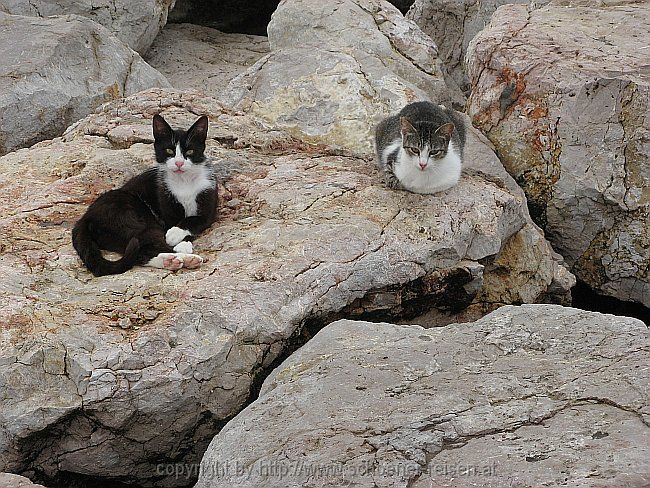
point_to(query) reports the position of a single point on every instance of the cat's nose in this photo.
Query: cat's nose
(179, 164)
(423, 164)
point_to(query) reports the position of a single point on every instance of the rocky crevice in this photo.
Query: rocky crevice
(446, 400)
(569, 137)
(287, 236)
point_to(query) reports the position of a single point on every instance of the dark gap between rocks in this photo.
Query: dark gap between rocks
(231, 16)
(402, 5)
(443, 290)
(585, 298)
(235, 16)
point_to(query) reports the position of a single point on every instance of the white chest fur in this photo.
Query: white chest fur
(187, 186)
(438, 176)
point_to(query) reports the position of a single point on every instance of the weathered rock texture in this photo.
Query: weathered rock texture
(564, 95)
(203, 59)
(123, 373)
(452, 24)
(336, 68)
(14, 481)
(527, 396)
(57, 70)
(136, 23)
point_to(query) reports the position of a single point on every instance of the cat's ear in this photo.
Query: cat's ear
(199, 130)
(406, 127)
(161, 129)
(446, 130)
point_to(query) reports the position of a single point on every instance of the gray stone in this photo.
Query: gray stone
(134, 23)
(452, 24)
(563, 92)
(199, 58)
(528, 396)
(124, 372)
(336, 68)
(57, 70)
(14, 481)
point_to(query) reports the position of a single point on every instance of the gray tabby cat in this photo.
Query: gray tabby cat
(421, 148)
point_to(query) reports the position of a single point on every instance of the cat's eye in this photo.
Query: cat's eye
(169, 151)
(412, 151)
(438, 154)
(189, 152)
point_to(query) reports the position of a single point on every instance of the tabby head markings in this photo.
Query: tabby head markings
(424, 142)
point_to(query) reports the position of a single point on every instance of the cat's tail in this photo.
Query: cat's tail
(91, 255)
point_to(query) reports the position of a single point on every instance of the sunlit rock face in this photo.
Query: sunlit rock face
(153, 362)
(565, 99)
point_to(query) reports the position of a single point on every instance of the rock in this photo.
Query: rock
(250, 17)
(573, 130)
(128, 375)
(336, 68)
(134, 23)
(536, 395)
(57, 70)
(203, 59)
(452, 24)
(14, 481)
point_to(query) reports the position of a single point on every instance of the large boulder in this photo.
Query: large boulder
(527, 396)
(203, 59)
(565, 98)
(336, 68)
(57, 70)
(452, 24)
(125, 374)
(134, 23)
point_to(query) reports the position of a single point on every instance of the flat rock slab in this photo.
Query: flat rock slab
(56, 70)
(563, 92)
(125, 374)
(193, 57)
(528, 396)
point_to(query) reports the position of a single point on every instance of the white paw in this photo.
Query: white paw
(184, 247)
(166, 260)
(190, 261)
(176, 235)
(175, 261)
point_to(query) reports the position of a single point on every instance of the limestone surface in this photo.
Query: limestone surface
(125, 375)
(452, 24)
(56, 70)
(337, 67)
(528, 396)
(134, 23)
(194, 57)
(563, 92)
(8, 480)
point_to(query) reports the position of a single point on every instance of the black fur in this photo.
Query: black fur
(133, 219)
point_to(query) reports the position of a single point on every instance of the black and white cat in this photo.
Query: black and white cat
(421, 148)
(153, 217)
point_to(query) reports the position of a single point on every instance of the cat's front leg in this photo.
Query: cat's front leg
(391, 180)
(176, 235)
